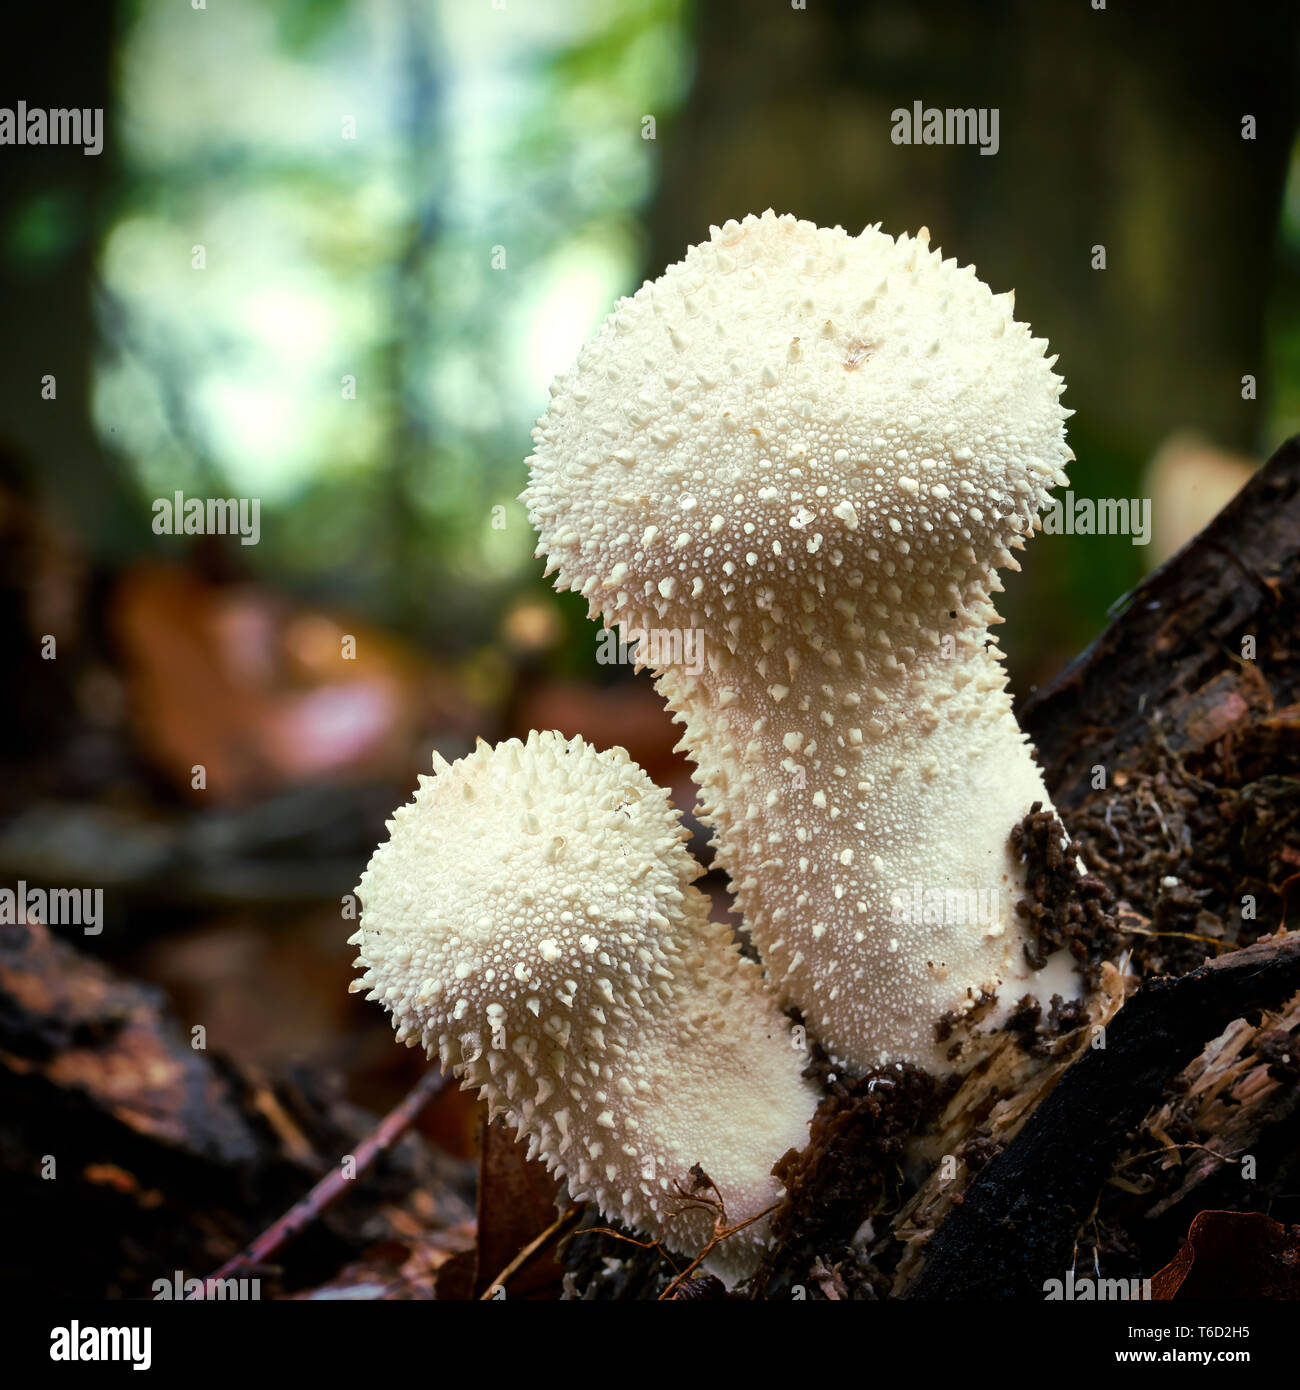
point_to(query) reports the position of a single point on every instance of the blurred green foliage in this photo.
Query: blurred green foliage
(409, 218)
(1283, 401)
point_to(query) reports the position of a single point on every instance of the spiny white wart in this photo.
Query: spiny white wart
(817, 450)
(533, 920)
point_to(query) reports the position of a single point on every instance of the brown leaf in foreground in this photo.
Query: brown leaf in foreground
(1233, 1255)
(516, 1204)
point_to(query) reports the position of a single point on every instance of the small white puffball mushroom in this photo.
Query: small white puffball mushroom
(533, 919)
(808, 454)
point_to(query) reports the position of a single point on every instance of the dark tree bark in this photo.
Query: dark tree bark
(1018, 1222)
(1197, 751)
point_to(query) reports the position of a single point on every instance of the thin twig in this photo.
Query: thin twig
(1184, 935)
(720, 1233)
(1169, 1148)
(331, 1187)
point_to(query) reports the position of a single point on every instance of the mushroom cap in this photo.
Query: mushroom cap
(538, 872)
(786, 389)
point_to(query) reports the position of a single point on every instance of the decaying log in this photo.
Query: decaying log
(1187, 703)
(1161, 662)
(1018, 1221)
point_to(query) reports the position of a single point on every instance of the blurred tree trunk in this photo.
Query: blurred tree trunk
(52, 216)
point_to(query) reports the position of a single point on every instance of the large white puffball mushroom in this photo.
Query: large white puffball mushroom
(806, 454)
(532, 918)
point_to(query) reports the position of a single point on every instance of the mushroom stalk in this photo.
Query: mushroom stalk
(533, 920)
(812, 452)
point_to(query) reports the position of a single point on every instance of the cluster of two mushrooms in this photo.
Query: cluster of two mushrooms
(814, 452)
